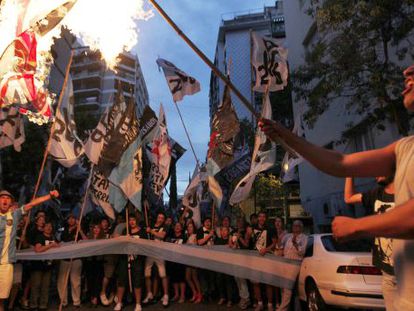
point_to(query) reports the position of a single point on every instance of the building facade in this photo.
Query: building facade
(322, 195)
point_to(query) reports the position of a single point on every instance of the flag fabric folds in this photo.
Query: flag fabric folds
(179, 82)
(225, 126)
(192, 196)
(94, 144)
(270, 63)
(122, 130)
(99, 191)
(264, 157)
(159, 154)
(66, 147)
(11, 128)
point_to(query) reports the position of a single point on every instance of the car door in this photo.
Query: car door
(305, 266)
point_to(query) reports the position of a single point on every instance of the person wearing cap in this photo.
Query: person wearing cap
(398, 223)
(9, 221)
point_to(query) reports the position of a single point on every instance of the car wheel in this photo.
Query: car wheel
(314, 299)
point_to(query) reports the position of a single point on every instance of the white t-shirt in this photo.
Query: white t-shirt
(403, 250)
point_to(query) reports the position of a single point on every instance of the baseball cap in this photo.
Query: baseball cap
(6, 193)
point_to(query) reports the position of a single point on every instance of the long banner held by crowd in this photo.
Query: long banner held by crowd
(246, 264)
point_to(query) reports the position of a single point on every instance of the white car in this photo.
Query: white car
(339, 275)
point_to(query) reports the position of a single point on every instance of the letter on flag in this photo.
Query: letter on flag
(179, 82)
(11, 128)
(66, 147)
(270, 63)
(99, 189)
(192, 196)
(95, 142)
(264, 157)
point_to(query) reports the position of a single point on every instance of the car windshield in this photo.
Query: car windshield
(331, 245)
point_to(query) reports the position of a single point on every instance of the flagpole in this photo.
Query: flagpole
(205, 59)
(78, 229)
(128, 262)
(49, 142)
(186, 132)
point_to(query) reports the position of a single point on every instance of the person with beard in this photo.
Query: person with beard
(377, 201)
(9, 221)
(397, 223)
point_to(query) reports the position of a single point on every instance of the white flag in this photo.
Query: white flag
(159, 154)
(99, 189)
(95, 142)
(179, 82)
(264, 157)
(270, 63)
(66, 147)
(192, 197)
(290, 162)
(11, 128)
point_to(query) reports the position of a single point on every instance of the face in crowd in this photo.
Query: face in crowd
(178, 228)
(190, 228)
(105, 224)
(168, 221)
(224, 231)
(5, 203)
(40, 221)
(253, 220)
(71, 221)
(225, 222)
(132, 221)
(261, 219)
(408, 92)
(48, 229)
(96, 230)
(207, 223)
(160, 219)
(279, 223)
(297, 227)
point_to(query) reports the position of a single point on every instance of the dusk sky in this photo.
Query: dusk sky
(200, 20)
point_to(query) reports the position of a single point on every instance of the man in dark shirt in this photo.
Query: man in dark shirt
(157, 233)
(73, 269)
(377, 201)
(133, 263)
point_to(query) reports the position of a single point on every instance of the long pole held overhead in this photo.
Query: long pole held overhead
(209, 63)
(214, 68)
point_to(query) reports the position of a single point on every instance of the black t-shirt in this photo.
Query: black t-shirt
(43, 264)
(69, 235)
(158, 229)
(32, 235)
(222, 241)
(262, 237)
(377, 201)
(202, 233)
(173, 238)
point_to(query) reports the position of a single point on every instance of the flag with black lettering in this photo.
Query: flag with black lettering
(270, 63)
(99, 190)
(122, 130)
(263, 158)
(192, 197)
(95, 142)
(11, 128)
(66, 147)
(179, 82)
(159, 155)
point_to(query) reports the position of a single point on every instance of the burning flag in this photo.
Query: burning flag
(225, 126)
(11, 128)
(179, 82)
(264, 157)
(270, 63)
(66, 147)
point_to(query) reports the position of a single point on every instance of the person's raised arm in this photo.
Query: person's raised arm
(379, 162)
(53, 194)
(397, 223)
(350, 197)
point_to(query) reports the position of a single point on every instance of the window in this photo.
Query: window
(360, 246)
(309, 247)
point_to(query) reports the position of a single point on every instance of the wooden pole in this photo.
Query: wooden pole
(49, 142)
(78, 229)
(186, 132)
(128, 261)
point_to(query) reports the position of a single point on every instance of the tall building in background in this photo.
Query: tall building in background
(95, 85)
(233, 57)
(234, 50)
(322, 195)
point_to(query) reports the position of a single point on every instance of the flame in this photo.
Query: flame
(107, 25)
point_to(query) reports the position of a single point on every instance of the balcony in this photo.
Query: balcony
(86, 74)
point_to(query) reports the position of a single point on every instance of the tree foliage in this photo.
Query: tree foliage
(356, 55)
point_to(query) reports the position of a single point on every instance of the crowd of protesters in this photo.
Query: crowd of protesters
(108, 279)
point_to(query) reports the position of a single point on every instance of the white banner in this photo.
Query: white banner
(246, 264)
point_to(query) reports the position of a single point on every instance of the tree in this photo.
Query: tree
(351, 58)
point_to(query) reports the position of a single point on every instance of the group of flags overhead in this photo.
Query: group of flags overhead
(121, 142)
